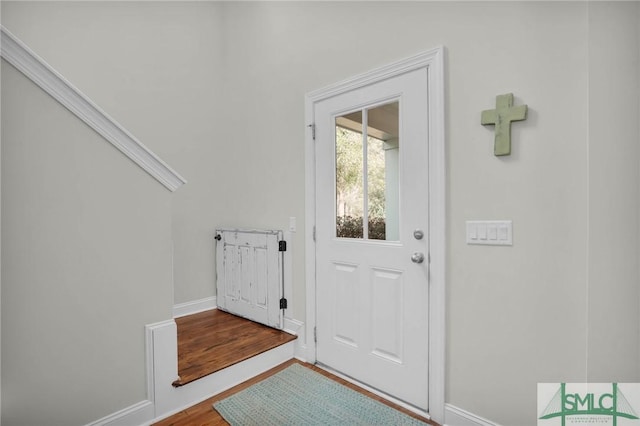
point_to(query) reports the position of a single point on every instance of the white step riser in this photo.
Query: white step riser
(170, 400)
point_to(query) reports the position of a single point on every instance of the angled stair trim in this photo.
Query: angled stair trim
(37, 70)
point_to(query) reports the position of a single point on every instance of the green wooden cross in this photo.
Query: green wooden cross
(502, 117)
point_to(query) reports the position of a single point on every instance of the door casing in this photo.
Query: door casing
(433, 61)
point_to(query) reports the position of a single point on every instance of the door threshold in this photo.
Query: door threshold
(381, 394)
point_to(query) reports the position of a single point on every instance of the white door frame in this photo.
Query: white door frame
(433, 61)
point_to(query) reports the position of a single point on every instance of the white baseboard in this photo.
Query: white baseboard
(194, 306)
(454, 416)
(293, 326)
(134, 415)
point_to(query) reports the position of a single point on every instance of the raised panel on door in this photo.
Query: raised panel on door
(345, 320)
(387, 314)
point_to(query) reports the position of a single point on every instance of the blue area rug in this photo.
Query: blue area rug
(300, 396)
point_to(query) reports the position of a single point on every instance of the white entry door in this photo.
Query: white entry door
(372, 222)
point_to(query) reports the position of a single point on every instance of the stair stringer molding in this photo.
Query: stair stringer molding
(20, 56)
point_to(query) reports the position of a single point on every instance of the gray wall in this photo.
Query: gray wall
(613, 180)
(86, 264)
(556, 305)
(0, 243)
(155, 68)
(88, 258)
(212, 86)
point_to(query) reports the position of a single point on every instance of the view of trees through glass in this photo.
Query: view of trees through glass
(350, 194)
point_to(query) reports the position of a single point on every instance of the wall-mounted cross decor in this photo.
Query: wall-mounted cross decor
(502, 117)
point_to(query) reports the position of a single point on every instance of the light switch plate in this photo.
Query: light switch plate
(490, 232)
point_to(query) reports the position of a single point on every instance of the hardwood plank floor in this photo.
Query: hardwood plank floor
(203, 414)
(213, 340)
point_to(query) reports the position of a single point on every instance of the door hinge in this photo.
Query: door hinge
(313, 131)
(283, 303)
(314, 234)
(315, 334)
(282, 245)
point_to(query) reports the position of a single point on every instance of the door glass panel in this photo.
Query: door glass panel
(376, 188)
(349, 176)
(382, 168)
(373, 131)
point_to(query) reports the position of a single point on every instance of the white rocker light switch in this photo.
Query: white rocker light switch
(490, 232)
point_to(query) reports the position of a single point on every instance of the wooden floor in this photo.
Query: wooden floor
(203, 413)
(213, 340)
